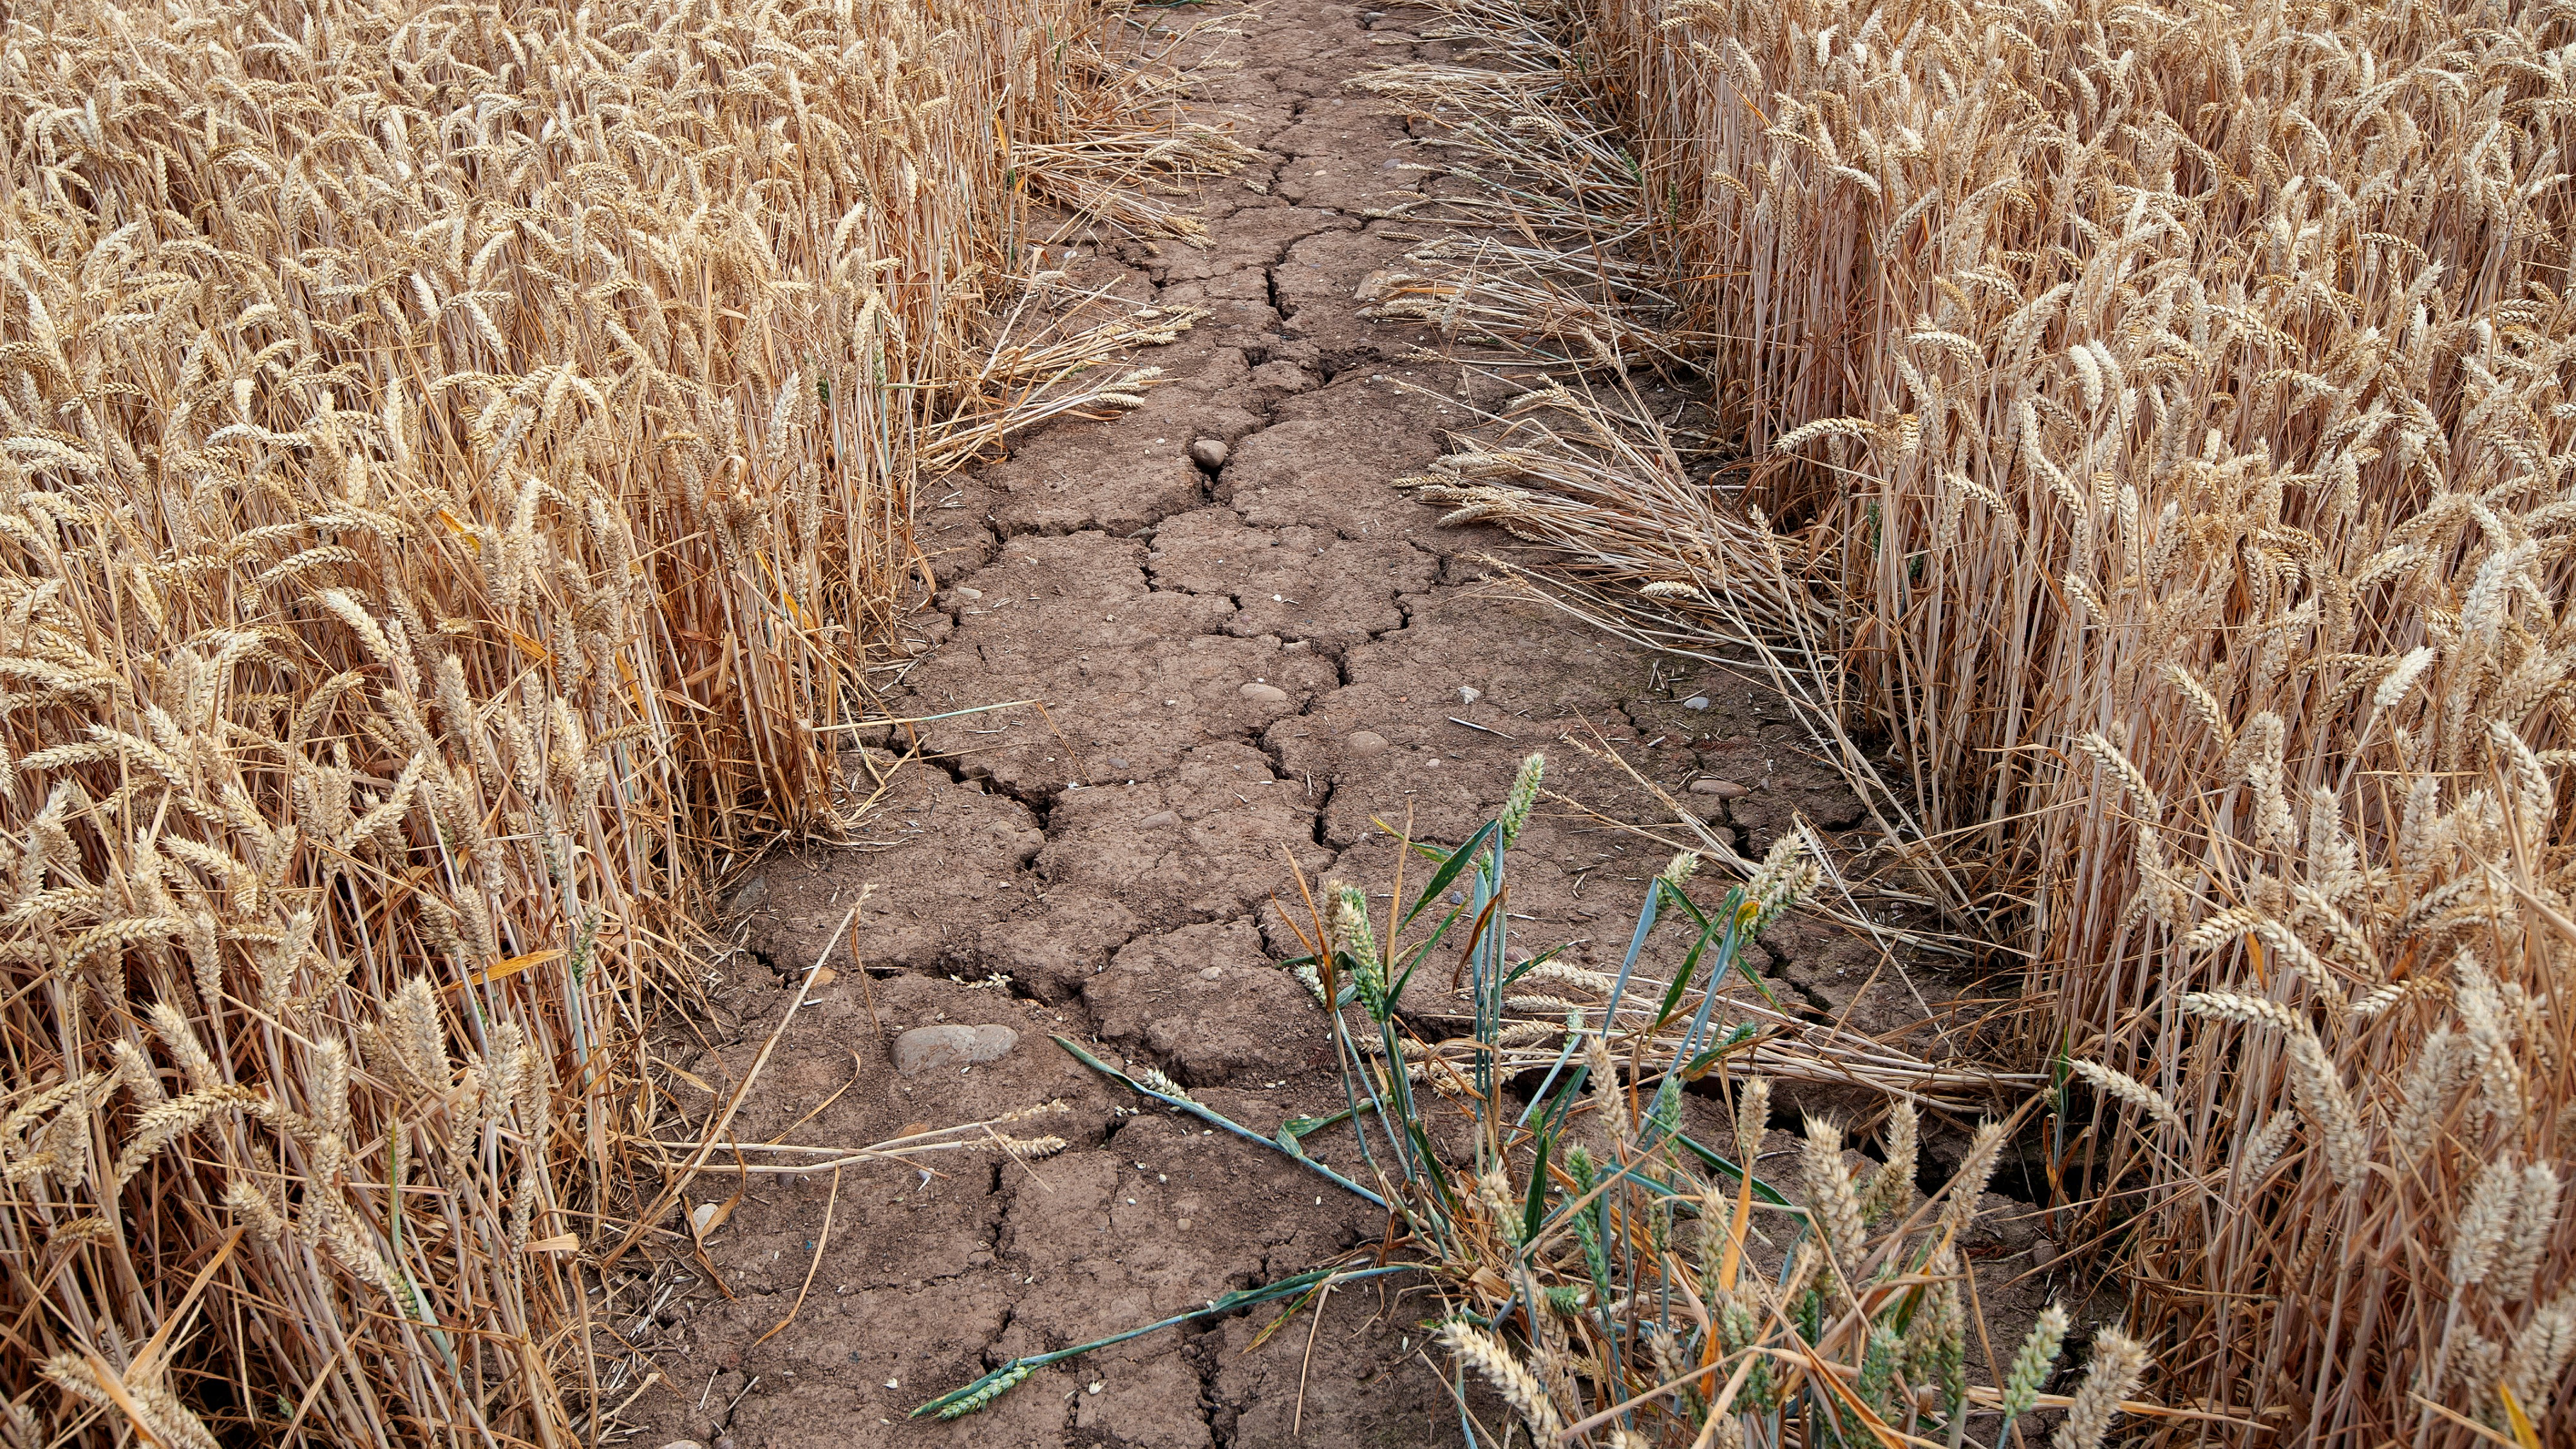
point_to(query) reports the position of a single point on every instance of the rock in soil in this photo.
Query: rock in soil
(931, 1048)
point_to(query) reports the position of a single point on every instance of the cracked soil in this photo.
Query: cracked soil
(1242, 664)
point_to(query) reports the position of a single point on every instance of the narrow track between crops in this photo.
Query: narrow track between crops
(1249, 646)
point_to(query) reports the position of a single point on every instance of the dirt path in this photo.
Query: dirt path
(1249, 645)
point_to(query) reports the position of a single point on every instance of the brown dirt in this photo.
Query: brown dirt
(1239, 666)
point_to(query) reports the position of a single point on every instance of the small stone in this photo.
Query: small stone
(1469, 694)
(1158, 820)
(1260, 693)
(1696, 701)
(1722, 789)
(1208, 453)
(1117, 764)
(931, 1048)
(1213, 973)
(1364, 743)
(1375, 286)
(684, 1444)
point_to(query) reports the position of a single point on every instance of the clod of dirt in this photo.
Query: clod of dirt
(1299, 582)
(1208, 1000)
(931, 1048)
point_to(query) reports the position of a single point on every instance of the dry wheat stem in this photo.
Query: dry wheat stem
(448, 454)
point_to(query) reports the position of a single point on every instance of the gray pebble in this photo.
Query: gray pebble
(1208, 453)
(931, 1048)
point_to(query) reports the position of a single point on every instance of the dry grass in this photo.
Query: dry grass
(2170, 408)
(455, 456)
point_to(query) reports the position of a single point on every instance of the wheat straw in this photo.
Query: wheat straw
(2154, 424)
(450, 458)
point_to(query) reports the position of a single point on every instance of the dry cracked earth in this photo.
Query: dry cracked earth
(1250, 647)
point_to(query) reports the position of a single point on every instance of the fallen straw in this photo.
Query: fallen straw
(707, 1145)
(822, 1241)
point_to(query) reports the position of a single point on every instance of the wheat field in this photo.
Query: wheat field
(456, 458)
(2154, 424)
